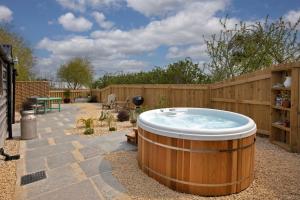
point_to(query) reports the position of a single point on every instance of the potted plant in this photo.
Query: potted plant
(123, 116)
(133, 117)
(67, 95)
(111, 122)
(88, 125)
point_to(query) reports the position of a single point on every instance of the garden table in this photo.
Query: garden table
(47, 103)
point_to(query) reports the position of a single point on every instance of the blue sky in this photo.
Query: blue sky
(128, 35)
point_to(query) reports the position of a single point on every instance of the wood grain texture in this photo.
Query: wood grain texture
(206, 168)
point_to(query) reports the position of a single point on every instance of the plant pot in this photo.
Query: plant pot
(67, 100)
(112, 129)
(88, 131)
(285, 103)
(286, 123)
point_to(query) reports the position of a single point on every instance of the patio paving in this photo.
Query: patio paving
(74, 164)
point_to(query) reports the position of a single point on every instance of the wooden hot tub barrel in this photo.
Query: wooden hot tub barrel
(206, 168)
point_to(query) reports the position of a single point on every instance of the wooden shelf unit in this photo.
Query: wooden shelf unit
(285, 135)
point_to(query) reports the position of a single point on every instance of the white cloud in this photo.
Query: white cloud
(292, 16)
(182, 32)
(101, 20)
(81, 5)
(194, 51)
(162, 7)
(71, 23)
(5, 14)
(131, 65)
(77, 5)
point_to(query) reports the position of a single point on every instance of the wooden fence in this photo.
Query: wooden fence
(170, 95)
(248, 94)
(73, 93)
(26, 89)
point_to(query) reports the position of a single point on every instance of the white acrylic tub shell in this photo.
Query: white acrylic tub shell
(153, 121)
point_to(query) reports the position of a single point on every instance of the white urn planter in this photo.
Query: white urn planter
(288, 82)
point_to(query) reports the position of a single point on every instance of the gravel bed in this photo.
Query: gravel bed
(277, 176)
(89, 110)
(8, 175)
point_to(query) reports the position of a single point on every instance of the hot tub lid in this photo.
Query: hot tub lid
(197, 124)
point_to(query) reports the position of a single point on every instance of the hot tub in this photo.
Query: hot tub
(197, 150)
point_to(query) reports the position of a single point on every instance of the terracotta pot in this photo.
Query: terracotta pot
(285, 103)
(286, 123)
(67, 100)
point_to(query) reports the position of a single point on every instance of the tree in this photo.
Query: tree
(247, 48)
(76, 73)
(185, 72)
(181, 72)
(21, 50)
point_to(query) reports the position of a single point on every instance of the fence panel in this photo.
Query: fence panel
(25, 89)
(248, 94)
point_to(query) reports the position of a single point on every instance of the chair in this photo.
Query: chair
(35, 105)
(123, 105)
(111, 100)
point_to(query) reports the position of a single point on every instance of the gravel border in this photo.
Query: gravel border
(89, 110)
(277, 176)
(8, 176)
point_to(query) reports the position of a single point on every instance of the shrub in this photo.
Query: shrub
(123, 115)
(88, 125)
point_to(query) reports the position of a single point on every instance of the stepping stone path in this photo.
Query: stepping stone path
(74, 164)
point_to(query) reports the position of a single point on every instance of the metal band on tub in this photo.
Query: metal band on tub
(197, 150)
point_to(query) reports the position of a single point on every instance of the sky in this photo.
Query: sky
(129, 35)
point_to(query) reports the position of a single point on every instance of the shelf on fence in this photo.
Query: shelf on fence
(287, 129)
(281, 108)
(281, 89)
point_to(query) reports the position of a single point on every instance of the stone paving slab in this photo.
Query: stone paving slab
(56, 179)
(30, 144)
(49, 150)
(95, 166)
(108, 185)
(91, 152)
(60, 159)
(35, 164)
(79, 191)
(57, 133)
(74, 164)
(66, 138)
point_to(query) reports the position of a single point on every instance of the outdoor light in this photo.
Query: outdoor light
(16, 60)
